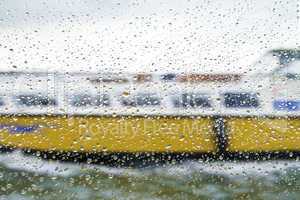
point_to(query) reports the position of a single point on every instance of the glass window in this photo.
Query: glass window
(285, 105)
(192, 100)
(287, 56)
(35, 100)
(81, 100)
(101, 100)
(142, 100)
(109, 78)
(1, 102)
(168, 77)
(88, 100)
(241, 100)
(292, 71)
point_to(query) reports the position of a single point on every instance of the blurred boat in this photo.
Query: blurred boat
(154, 113)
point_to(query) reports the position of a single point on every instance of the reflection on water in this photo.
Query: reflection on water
(24, 177)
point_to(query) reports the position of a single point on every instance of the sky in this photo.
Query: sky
(202, 36)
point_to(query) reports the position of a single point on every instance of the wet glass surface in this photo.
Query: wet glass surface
(160, 99)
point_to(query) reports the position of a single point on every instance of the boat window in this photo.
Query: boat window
(35, 100)
(88, 100)
(108, 78)
(168, 77)
(291, 76)
(102, 100)
(141, 100)
(286, 56)
(241, 100)
(1, 102)
(81, 100)
(286, 105)
(292, 71)
(192, 100)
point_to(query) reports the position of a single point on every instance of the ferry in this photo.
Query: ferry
(107, 113)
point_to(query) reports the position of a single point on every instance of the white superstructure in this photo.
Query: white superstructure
(271, 94)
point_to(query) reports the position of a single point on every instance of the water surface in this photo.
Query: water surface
(28, 177)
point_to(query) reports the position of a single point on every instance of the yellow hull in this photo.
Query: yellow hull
(147, 134)
(111, 134)
(263, 134)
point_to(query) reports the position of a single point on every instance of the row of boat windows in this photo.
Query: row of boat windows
(186, 100)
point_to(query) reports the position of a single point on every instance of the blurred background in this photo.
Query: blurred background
(182, 36)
